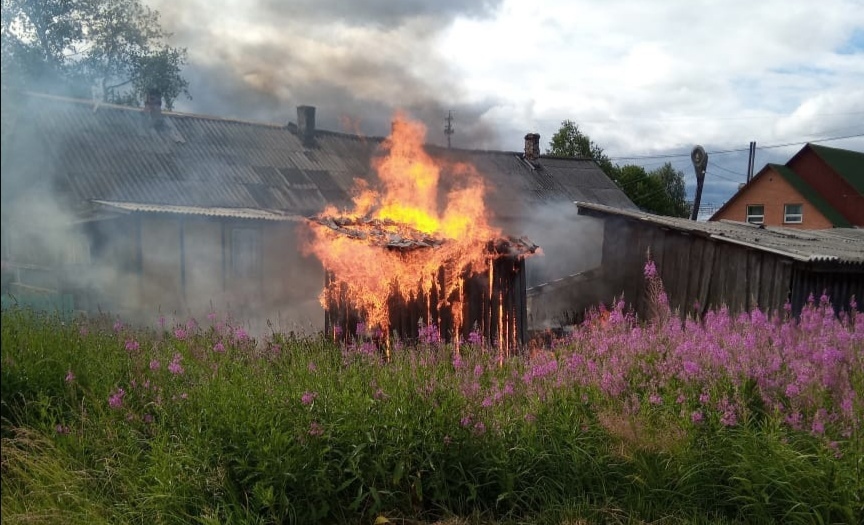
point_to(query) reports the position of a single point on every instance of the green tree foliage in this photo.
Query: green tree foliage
(569, 141)
(114, 50)
(673, 199)
(659, 191)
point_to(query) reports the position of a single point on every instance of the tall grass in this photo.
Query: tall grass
(732, 419)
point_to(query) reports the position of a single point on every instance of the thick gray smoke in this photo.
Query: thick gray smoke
(356, 61)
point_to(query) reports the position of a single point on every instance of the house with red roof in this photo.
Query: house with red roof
(818, 188)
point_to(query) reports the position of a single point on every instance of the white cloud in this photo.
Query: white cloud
(645, 77)
(640, 77)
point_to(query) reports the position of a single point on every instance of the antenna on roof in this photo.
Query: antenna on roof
(448, 128)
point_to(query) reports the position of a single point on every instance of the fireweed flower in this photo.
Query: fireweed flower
(308, 397)
(70, 376)
(240, 334)
(429, 334)
(115, 400)
(650, 270)
(315, 429)
(155, 364)
(475, 338)
(696, 417)
(131, 345)
(174, 366)
(219, 348)
(118, 325)
(180, 334)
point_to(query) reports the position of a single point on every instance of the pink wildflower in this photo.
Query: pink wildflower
(155, 364)
(180, 334)
(131, 345)
(219, 348)
(174, 366)
(115, 400)
(70, 376)
(308, 397)
(315, 429)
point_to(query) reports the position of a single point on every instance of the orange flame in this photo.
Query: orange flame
(407, 200)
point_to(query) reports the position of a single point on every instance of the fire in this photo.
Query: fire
(398, 237)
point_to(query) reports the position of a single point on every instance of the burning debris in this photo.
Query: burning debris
(402, 267)
(386, 233)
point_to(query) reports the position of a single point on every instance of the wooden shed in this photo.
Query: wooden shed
(708, 264)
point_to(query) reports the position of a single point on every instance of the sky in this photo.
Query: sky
(646, 80)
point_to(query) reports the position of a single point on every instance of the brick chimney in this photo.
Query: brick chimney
(306, 123)
(532, 146)
(153, 107)
(153, 103)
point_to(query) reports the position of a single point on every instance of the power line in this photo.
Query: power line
(700, 119)
(737, 150)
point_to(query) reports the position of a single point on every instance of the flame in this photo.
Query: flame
(407, 202)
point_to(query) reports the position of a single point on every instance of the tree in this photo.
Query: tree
(675, 194)
(660, 191)
(569, 141)
(114, 50)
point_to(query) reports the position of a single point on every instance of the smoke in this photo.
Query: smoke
(357, 61)
(571, 243)
(139, 267)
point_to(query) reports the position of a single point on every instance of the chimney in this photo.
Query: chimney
(306, 123)
(153, 103)
(532, 146)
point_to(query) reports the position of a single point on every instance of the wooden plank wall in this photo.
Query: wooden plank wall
(499, 315)
(695, 269)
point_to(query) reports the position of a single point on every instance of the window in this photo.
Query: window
(793, 213)
(755, 213)
(246, 252)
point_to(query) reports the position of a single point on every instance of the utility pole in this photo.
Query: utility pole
(700, 164)
(751, 160)
(448, 129)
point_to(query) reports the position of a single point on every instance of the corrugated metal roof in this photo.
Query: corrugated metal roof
(118, 154)
(843, 245)
(237, 213)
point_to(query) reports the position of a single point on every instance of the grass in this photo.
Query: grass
(621, 422)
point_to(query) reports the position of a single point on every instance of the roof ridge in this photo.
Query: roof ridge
(98, 104)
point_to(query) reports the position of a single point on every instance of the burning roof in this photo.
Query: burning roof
(387, 233)
(404, 244)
